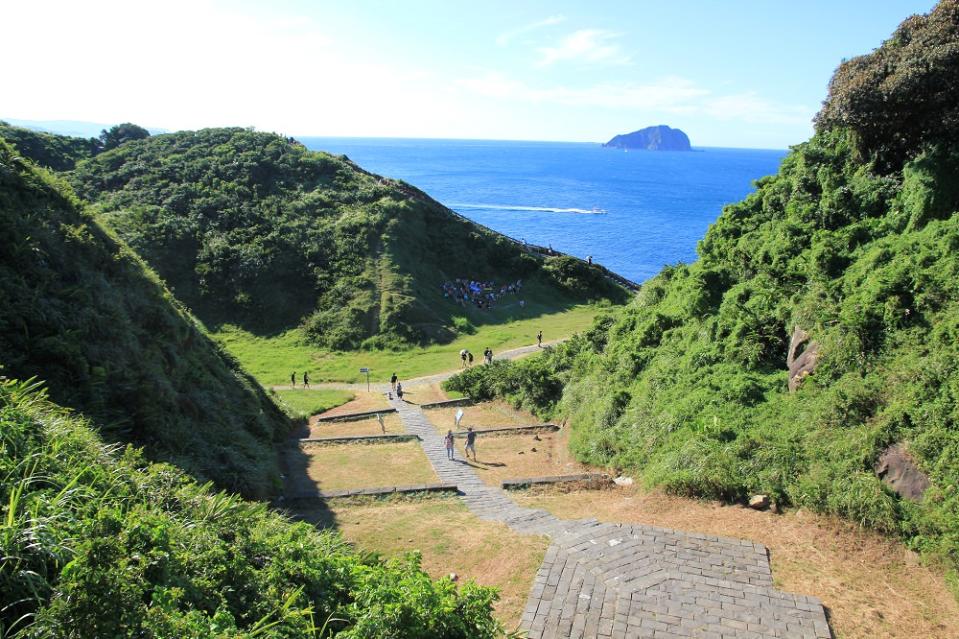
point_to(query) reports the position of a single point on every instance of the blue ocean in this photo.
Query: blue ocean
(633, 212)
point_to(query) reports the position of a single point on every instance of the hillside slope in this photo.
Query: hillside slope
(819, 326)
(253, 229)
(81, 312)
(97, 544)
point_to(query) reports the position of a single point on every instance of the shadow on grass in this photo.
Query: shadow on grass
(301, 499)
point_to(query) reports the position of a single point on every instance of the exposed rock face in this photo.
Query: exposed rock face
(759, 502)
(652, 138)
(900, 472)
(801, 364)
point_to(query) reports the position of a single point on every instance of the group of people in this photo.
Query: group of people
(482, 294)
(467, 357)
(397, 386)
(470, 443)
(306, 379)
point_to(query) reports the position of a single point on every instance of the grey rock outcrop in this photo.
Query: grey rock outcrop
(900, 472)
(652, 138)
(801, 364)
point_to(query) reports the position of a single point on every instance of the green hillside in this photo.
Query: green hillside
(96, 544)
(57, 152)
(80, 311)
(855, 242)
(253, 230)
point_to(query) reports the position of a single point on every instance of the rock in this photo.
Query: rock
(521, 453)
(622, 480)
(801, 364)
(759, 502)
(536, 438)
(652, 138)
(454, 577)
(533, 449)
(900, 472)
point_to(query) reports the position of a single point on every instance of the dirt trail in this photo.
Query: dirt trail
(435, 378)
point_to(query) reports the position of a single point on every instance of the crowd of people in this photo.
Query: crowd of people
(482, 294)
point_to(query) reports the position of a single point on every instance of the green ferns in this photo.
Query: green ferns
(96, 542)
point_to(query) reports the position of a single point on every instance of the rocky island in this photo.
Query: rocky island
(652, 138)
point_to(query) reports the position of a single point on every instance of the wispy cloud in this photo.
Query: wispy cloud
(585, 45)
(504, 38)
(668, 95)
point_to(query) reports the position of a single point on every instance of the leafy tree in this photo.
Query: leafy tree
(116, 135)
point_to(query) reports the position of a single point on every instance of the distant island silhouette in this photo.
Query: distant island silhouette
(652, 138)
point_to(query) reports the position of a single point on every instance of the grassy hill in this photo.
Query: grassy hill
(855, 243)
(253, 230)
(81, 312)
(98, 544)
(56, 152)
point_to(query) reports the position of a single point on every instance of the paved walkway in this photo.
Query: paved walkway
(436, 378)
(620, 580)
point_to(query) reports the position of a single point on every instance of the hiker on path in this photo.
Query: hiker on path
(448, 440)
(399, 390)
(469, 357)
(470, 442)
(463, 356)
(488, 354)
(293, 379)
(306, 379)
(589, 259)
(539, 339)
(393, 379)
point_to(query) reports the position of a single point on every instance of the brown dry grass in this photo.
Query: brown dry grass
(485, 415)
(513, 457)
(364, 427)
(362, 402)
(451, 539)
(424, 393)
(872, 586)
(359, 466)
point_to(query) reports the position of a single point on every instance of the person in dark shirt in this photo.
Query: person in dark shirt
(470, 442)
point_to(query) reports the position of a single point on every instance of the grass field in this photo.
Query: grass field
(450, 539)
(272, 359)
(304, 403)
(871, 585)
(391, 421)
(360, 466)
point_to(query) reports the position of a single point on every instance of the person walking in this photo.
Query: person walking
(463, 357)
(448, 440)
(393, 379)
(399, 390)
(293, 380)
(539, 339)
(470, 442)
(306, 379)
(469, 358)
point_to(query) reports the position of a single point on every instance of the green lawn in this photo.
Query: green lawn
(272, 359)
(304, 403)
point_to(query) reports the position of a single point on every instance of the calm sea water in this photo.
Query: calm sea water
(633, 212)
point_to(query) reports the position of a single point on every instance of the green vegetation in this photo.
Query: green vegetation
(252, 229)
(100, 544)
(83, 313)
(272, 359)
(302, 403)
(855, 241)
(61, 152)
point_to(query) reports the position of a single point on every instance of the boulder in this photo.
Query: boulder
(759, 502)
(899, 471)
(801, 364)
(622, 480)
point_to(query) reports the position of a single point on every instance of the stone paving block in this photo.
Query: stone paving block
(618, 581)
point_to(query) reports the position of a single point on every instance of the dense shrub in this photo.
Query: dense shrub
(99, 543)
(686, 387)
(81, 311)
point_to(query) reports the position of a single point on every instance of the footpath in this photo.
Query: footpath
(618, 581)
(436, 378)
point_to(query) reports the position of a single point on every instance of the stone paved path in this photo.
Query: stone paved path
(623, 581)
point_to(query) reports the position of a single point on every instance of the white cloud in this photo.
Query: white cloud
(504, 38)
(751, 107)
(668, 95)
(585, 45)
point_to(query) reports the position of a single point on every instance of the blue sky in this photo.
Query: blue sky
(737, 73)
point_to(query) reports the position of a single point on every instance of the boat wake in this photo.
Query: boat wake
(516, 207)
